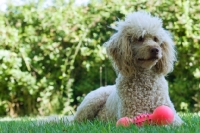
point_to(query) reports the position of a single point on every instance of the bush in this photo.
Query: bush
(51, 57)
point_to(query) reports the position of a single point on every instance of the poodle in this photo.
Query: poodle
(142, 53)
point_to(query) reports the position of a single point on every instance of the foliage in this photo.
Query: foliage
(48, 42)
(185, 27)
(51, 57)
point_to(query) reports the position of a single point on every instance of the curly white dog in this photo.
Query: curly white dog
(142, 53)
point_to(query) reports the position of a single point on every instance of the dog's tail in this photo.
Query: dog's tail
(54, 119)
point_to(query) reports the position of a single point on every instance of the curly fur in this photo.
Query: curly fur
(142, 53)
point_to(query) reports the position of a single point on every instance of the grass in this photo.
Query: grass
(30, 125)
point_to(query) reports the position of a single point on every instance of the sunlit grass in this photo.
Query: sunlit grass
(31, 125)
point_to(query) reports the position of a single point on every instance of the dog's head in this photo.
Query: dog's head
(141, 43)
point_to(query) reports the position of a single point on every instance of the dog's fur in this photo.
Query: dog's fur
(142, 53)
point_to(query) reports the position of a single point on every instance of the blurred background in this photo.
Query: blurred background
(51, 51)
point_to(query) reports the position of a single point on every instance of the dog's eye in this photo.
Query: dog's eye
(155, 39)
(140, 39)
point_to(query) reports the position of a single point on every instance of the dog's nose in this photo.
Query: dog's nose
(154, 51)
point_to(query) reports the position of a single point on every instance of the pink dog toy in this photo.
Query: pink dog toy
(124, 121)
(162, 115)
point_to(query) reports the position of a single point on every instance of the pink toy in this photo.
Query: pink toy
(124, 121)
(162, 115)
(142, 119)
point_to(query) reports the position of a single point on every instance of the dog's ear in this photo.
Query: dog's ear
(119, 50)
(166, 63)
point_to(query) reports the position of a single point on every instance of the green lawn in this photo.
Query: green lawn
(30, 125)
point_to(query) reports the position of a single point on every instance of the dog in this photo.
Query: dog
(142, 53)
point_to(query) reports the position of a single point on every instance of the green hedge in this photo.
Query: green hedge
(51, 57)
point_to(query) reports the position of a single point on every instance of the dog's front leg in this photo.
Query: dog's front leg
(126, 110)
